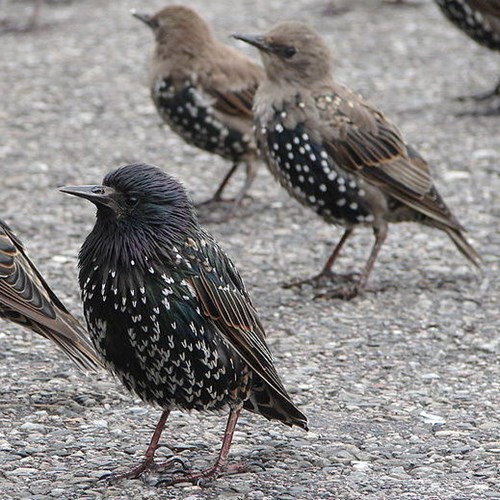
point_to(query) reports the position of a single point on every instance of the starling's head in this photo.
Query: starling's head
(292, 51)
(140, 197)
(177, 27)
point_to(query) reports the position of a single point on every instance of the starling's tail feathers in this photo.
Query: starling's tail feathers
(274, 406)
(464, 247)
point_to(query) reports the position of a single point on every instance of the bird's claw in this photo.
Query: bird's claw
(145, 467)
(202, 478)
(345, 292)
(322, 279)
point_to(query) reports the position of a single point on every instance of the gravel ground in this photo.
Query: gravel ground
(401, 385)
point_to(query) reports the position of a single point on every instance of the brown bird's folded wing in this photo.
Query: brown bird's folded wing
(232, 81)
(362, 140)
(25, 298)
(225, 301)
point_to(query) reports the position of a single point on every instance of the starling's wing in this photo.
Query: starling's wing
(232, 82)
(226, 303)
(362, 140)
(25, 298)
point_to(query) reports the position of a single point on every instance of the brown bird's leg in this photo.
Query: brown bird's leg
(326, 272)
(221, 462)
(251, 173)
(217, 197)
(148, 461)
(35, 15)
(351, 290)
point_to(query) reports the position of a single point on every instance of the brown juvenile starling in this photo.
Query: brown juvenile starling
(169, 312)
(480, 19)
(335, 153)
(203, 89)
(26, 299)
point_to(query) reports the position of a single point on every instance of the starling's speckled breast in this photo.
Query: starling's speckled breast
(189, 113)
(470, 20)
(309, 174)
(148, 326)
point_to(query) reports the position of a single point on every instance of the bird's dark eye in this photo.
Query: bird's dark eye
(131, 201)
(289, 52)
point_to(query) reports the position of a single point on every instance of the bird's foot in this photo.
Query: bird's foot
(9, 27)
(322, 279)
(484, 96)
(146, 466)
(201, 478)
(492, 108)
(344, 292)
(406, 3)
(228, 207)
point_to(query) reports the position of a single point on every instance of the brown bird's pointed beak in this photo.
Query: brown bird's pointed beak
(145, 18)
(256, 40)
(99, 195)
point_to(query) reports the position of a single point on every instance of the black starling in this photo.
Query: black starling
(168, 310)
(203, 89)
(335, 153)
(26, 299)
(480, 19)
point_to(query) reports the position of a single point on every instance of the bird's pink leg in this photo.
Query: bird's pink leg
(221, 462)
(147, 463)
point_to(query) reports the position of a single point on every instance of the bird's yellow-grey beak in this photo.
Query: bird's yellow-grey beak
(256, 40)
(145, 18)
(99, 195)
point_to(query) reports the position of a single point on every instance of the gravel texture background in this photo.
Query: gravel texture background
(401, 385)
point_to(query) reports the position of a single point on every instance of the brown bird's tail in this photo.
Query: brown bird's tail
(464, 247)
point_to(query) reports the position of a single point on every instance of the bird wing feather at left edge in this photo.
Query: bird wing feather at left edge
(362, 140)
(226, 303)
(21, 285)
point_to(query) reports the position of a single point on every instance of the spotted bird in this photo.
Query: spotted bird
(337, 154)
(203, 90)
(168, 311)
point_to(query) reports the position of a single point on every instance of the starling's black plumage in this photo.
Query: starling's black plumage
(334, 152)
(167, 308)
(26, 299)
(479, 19)
(203, 89)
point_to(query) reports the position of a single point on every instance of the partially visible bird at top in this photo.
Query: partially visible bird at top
(26, 299)
(168, 311)
(203, 89)
(337, 154)
(480, 20)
